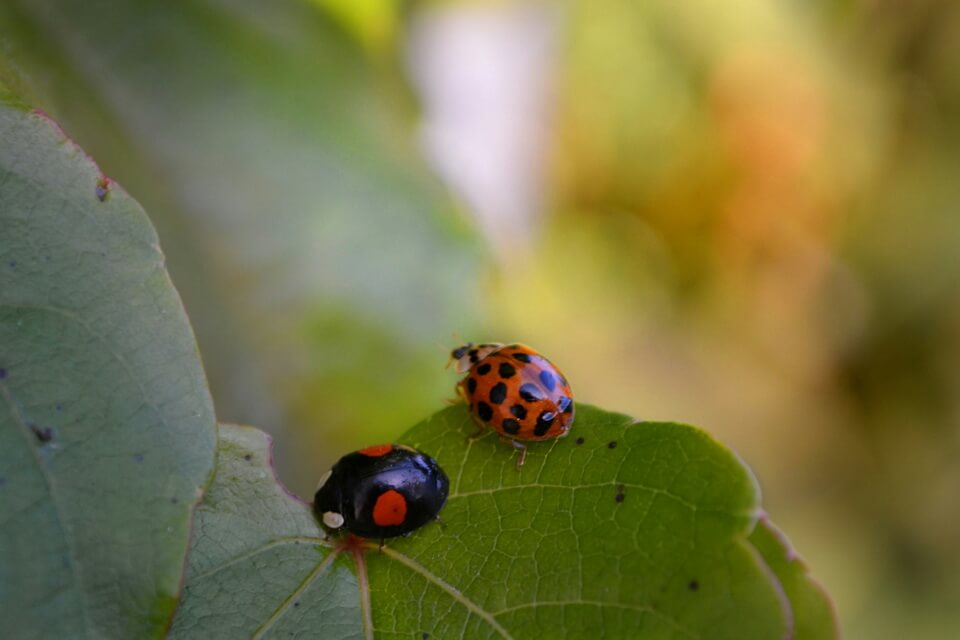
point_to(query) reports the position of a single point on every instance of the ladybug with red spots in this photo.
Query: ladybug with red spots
(516, 391)
(381, 492)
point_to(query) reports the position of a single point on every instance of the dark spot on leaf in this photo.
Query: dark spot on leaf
(59, 407)
(13, 263)
(483, 369)
(3, 481)
(620, 494)
(694, 585)
(248, 457)
(297, 603)
(425, 636)
(174, 501)
(3, 374)
(612, 444)
(506, 370)
(44, 434)
(138, 457)
(103, 188)
(579, 441)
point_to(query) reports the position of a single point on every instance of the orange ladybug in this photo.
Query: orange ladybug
(515, 391)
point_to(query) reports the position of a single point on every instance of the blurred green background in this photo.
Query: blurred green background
(739, 214)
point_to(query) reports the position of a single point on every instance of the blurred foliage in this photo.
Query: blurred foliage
(319, 262)
(752, 227)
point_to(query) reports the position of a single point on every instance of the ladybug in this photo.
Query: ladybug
(516, 391)
(382, 491)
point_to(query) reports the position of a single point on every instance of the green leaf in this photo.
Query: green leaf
(813, 614)
(639, 529)
(106, 426)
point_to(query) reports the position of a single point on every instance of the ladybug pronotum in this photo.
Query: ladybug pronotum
(382, 491)
(515, 391)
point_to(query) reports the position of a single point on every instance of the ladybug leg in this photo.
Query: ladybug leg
(479, 432)
(522, 448)
(460, 393)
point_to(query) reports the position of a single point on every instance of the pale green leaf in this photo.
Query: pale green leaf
(107, 432)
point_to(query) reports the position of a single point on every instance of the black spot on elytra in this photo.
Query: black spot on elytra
(248, 457)
(549, 380)
(694, 585)
(498, 393)
(511, 426)
(138, 457)
(620, 493)
(522, 357)
(579, 440)
(484, 411)
(565, 404)
(612, 444)
(506, 370)
(530, 392)
(483, 369)
(544, 420)
(519, 411)
(43, 434)
(472, 385)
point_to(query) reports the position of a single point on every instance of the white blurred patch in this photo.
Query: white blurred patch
(332, 519)
(483, 73)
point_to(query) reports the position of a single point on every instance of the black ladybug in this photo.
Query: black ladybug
(381, 492)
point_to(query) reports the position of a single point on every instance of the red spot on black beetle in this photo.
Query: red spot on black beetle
(44, 434)
(103, 188)
(579, 440)
(612, 444)
(694, 585)
(620, 494)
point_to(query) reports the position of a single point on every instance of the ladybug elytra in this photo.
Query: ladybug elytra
(515, 391)
(382, 491)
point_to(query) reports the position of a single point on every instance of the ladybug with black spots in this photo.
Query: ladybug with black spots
(515, 391)
(381, 492)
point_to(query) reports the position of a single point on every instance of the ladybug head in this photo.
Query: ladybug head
(470, 354)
